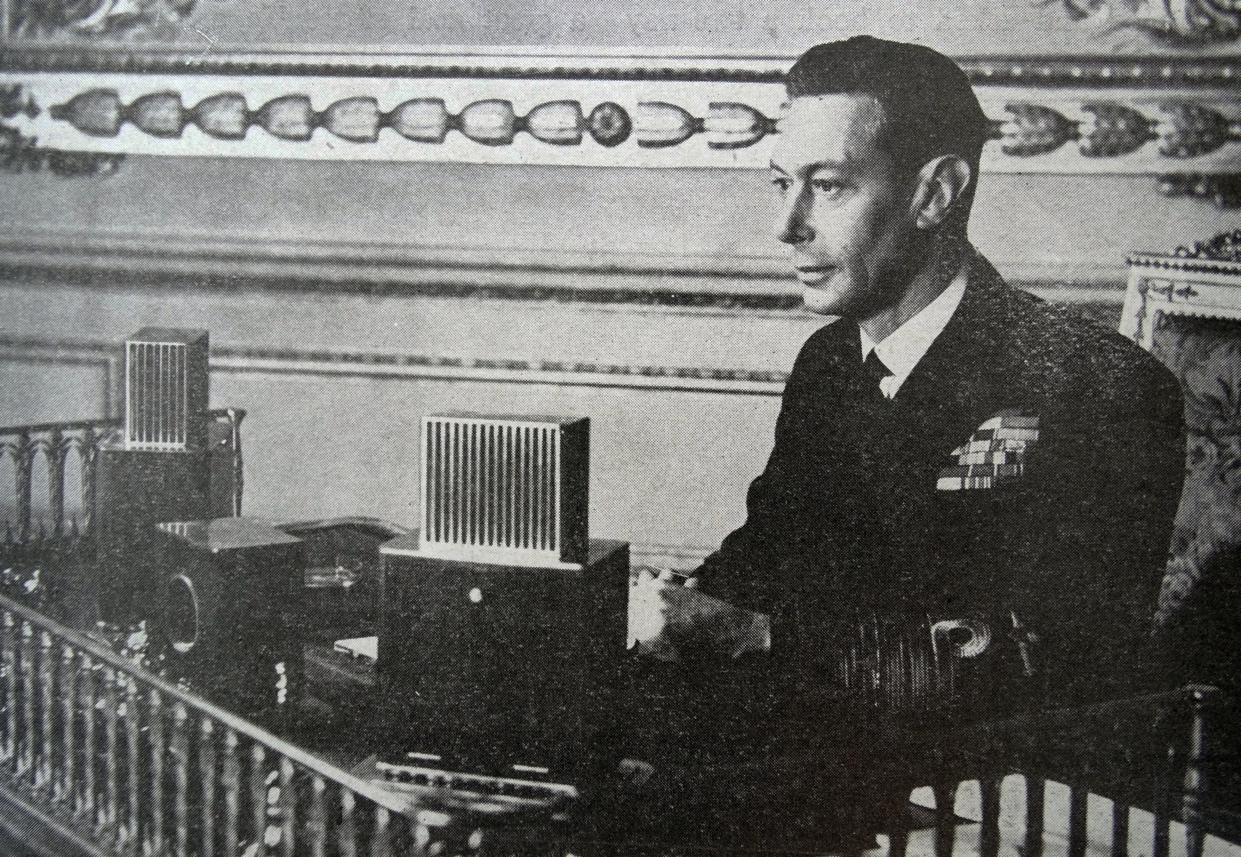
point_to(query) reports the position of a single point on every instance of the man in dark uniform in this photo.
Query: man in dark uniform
(946, 446)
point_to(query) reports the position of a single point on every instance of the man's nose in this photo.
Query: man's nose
(792, 226)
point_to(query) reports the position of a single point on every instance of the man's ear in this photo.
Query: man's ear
(941, 182)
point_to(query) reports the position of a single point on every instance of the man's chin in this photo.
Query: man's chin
(819, 301)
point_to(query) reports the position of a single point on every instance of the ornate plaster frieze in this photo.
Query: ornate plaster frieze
(19, 153)
(1224, 189)
(151, 19)
(1100, 129)
(593, 124)
(1225, 247)
(1182, 22)
(1167, 118)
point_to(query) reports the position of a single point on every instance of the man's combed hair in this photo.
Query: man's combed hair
(929, 108)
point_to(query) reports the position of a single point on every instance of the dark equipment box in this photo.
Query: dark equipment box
(500, 667)
(227, 612)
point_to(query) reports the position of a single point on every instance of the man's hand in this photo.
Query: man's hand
(670, 620)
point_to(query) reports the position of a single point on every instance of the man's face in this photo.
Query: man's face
(845, 208)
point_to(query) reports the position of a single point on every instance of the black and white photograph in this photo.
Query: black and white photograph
(695, 428)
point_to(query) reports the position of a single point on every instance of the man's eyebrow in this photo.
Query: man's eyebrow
(816, 166)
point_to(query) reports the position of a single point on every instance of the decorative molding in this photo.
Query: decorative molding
(487, 122)
(1204, 282)
(1222, 190)
(1186, 22)
(139, 19)
(1224, 247)
(19, 153)
(1165, 117)
(1220, 254)
(1107, 130)
(409, 366)
(750, 286)
(402, 366)
(1101, 71)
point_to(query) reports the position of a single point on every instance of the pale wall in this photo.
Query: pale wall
(329, 436)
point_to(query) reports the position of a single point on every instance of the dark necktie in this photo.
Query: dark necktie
(874, 371)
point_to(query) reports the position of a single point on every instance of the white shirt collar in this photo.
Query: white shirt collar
(901, 350)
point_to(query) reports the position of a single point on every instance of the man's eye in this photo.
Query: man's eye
(827, 186)
(782, 183)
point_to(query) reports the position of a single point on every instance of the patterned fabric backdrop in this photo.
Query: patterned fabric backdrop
(1200, 604)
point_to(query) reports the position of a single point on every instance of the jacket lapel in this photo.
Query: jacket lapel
(955, 386)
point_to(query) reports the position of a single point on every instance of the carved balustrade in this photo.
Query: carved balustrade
(54, 446)
(124, 762)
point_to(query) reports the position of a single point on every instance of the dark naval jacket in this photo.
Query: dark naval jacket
(1027, 470)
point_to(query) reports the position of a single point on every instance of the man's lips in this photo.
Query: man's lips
(811, 274)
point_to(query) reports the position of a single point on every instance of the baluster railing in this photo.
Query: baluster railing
(288, 810)
(24, 449)
(90, 751)
(1203, 700)
(153, 770)
(989, 832)
(155, 749)
(258, 796)
(56, 448)
(1120, 829)
(56, 441)
(1077, 821)
(47, 710)
(230, 784)
(26, 656)
(111, 796)
(1071, 761)
(1162, 800)
(138, 766)
(347, 831)
(316, 822)
(898, 842)
(179, 752)
(945, 817)
(379, 832)
(88, 453)
(9, 666)
(234, 416)
(206, 779)
(68, 729)
(133, 785)
(1036, 801)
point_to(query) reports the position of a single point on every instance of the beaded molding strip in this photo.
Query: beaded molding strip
(1109, 129)
(1176, 120)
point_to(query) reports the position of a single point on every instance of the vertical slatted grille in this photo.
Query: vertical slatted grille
(156, 395)
(491, 484)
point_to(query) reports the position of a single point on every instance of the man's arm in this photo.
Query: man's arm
(723, 608)
(1093, 550)
(745, 571)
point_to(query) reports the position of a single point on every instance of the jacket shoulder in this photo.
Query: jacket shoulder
(824, 348)
(1074, 353)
